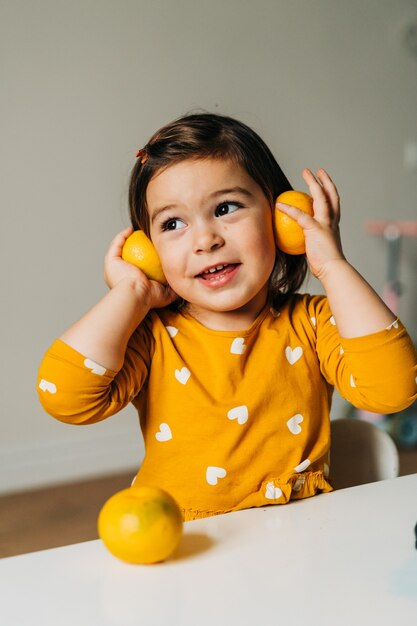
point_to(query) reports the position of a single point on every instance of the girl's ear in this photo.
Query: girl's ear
(140, 251)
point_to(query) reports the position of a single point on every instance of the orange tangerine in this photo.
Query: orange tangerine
(289, 236)
(140, 524)
(140, 251)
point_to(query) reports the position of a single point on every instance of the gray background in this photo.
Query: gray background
(84, 84)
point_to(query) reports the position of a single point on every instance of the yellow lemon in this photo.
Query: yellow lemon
(140, 251)
(140, 525)
(289, 236)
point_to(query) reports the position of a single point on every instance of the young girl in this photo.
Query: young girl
(230, 369)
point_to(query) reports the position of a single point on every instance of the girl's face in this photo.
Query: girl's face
(210, 215)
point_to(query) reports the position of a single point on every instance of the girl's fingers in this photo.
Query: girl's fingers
(322, 210)
(125, 232)
(326, 202)
(313, 184)
(116, 245)
(331, 191)
(302, 218)
(326, 199)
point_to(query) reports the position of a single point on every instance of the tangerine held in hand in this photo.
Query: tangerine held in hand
(289, 236)
(140, 525)
(140, 251)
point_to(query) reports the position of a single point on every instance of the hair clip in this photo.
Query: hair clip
(142, 153)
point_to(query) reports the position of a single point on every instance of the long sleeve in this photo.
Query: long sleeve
(376, 372)
(76, 390)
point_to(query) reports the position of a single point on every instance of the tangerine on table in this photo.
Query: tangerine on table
(140, 251)
(289, 236)
(140, 524)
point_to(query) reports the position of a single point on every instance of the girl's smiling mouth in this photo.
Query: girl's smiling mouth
(218, 275)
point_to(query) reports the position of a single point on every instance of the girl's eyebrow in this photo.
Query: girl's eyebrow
(241, 190)
(220, 192)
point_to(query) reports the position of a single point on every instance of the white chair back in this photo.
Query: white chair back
(360, 453)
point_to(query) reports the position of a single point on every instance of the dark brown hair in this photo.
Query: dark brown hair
(206, 135)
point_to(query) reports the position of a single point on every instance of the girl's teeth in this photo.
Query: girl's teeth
(215, 269)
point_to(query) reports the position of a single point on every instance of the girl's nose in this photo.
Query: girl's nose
(207, 240)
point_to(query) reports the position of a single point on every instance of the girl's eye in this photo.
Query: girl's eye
(225, 208)
(173, 223)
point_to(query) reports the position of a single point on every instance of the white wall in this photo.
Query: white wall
(84, 84)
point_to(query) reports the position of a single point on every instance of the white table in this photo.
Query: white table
(346, 557)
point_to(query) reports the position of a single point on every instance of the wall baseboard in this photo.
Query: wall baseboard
(23, 469)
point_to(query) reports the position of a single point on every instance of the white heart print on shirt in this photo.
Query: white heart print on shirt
(272, 492)
(293, 424)
(238, 346)
(164, 433)
(239, 413)
(182, 375)
(303, 466)
(46, 385)
(94, 367)
(213, 474)
(293, 355)
(172, 331)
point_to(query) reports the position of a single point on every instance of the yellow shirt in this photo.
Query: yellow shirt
(235, 419)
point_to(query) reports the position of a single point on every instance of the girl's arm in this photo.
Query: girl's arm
(356, 307)
(103, 333)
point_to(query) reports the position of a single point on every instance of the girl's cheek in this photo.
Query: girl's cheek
(170, 266)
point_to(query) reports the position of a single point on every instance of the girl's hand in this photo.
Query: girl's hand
(116, 269)
(321, 231)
